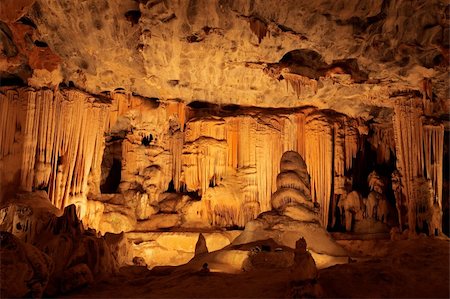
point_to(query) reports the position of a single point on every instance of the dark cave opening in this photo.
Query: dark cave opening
(111, 168)
(112, 181)
(171, 187)
(146, 140)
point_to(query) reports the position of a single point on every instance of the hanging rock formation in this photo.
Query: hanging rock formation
(51, 140)
(419, 145)
(146, 163)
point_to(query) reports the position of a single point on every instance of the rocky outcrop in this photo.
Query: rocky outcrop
(25, 270)
(73, 257)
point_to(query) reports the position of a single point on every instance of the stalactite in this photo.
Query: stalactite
(120, 103)
(301, 121)
(340, 155)
(351, 143)
(382, 141)
(232, 141)
(205, 153)
(258, 27)
(176, 151)
(62, 140)
(408, 141)
(433, 146)
(178, 110)
(319, 159)
(298, 82)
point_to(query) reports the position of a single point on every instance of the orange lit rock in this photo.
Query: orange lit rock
(25, 270)
(12, 10)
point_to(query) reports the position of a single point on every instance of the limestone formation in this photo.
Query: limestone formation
(25, 270)
(352, 209)
(397, 188)
(200, 246)
(304, 274)
(132, 131)
(294, 216)
(67, 255)
(160, 157)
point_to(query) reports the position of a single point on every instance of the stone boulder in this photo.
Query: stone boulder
(25, 270)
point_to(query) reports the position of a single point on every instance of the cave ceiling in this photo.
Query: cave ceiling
(350, 56)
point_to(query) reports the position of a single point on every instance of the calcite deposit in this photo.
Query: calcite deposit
(218, 134)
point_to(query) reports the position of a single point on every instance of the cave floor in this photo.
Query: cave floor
(391, 269)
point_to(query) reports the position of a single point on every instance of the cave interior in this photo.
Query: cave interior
(224, 148)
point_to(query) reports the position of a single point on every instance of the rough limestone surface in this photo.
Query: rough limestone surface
(62, 255)
(25, 270)
(176, 248)
(232, 52)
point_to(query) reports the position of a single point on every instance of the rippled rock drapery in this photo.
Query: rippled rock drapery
(51, 140)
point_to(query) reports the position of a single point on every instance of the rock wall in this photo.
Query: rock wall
(132, 163)
(226, 51)
(51, 254)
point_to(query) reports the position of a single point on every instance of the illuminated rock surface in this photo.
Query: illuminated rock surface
(129, 129)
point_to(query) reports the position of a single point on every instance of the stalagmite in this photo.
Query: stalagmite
(293, 185)
(293, 215)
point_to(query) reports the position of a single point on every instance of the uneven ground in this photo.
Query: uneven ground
(401, 269)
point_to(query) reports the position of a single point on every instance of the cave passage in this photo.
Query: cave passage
(112, 181)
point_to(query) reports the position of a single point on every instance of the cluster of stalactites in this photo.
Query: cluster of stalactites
(248, 148)
(241, 147)
(300, 83)
(433, 147)
(61, 140)
(162, 120)
(319, 159)
(331, 146)
(382, 141)
(419, 150)
(11, 115)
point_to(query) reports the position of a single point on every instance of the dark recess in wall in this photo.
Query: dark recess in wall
(112, 181)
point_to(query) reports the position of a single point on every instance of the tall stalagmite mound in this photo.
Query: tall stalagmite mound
(293, 215)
